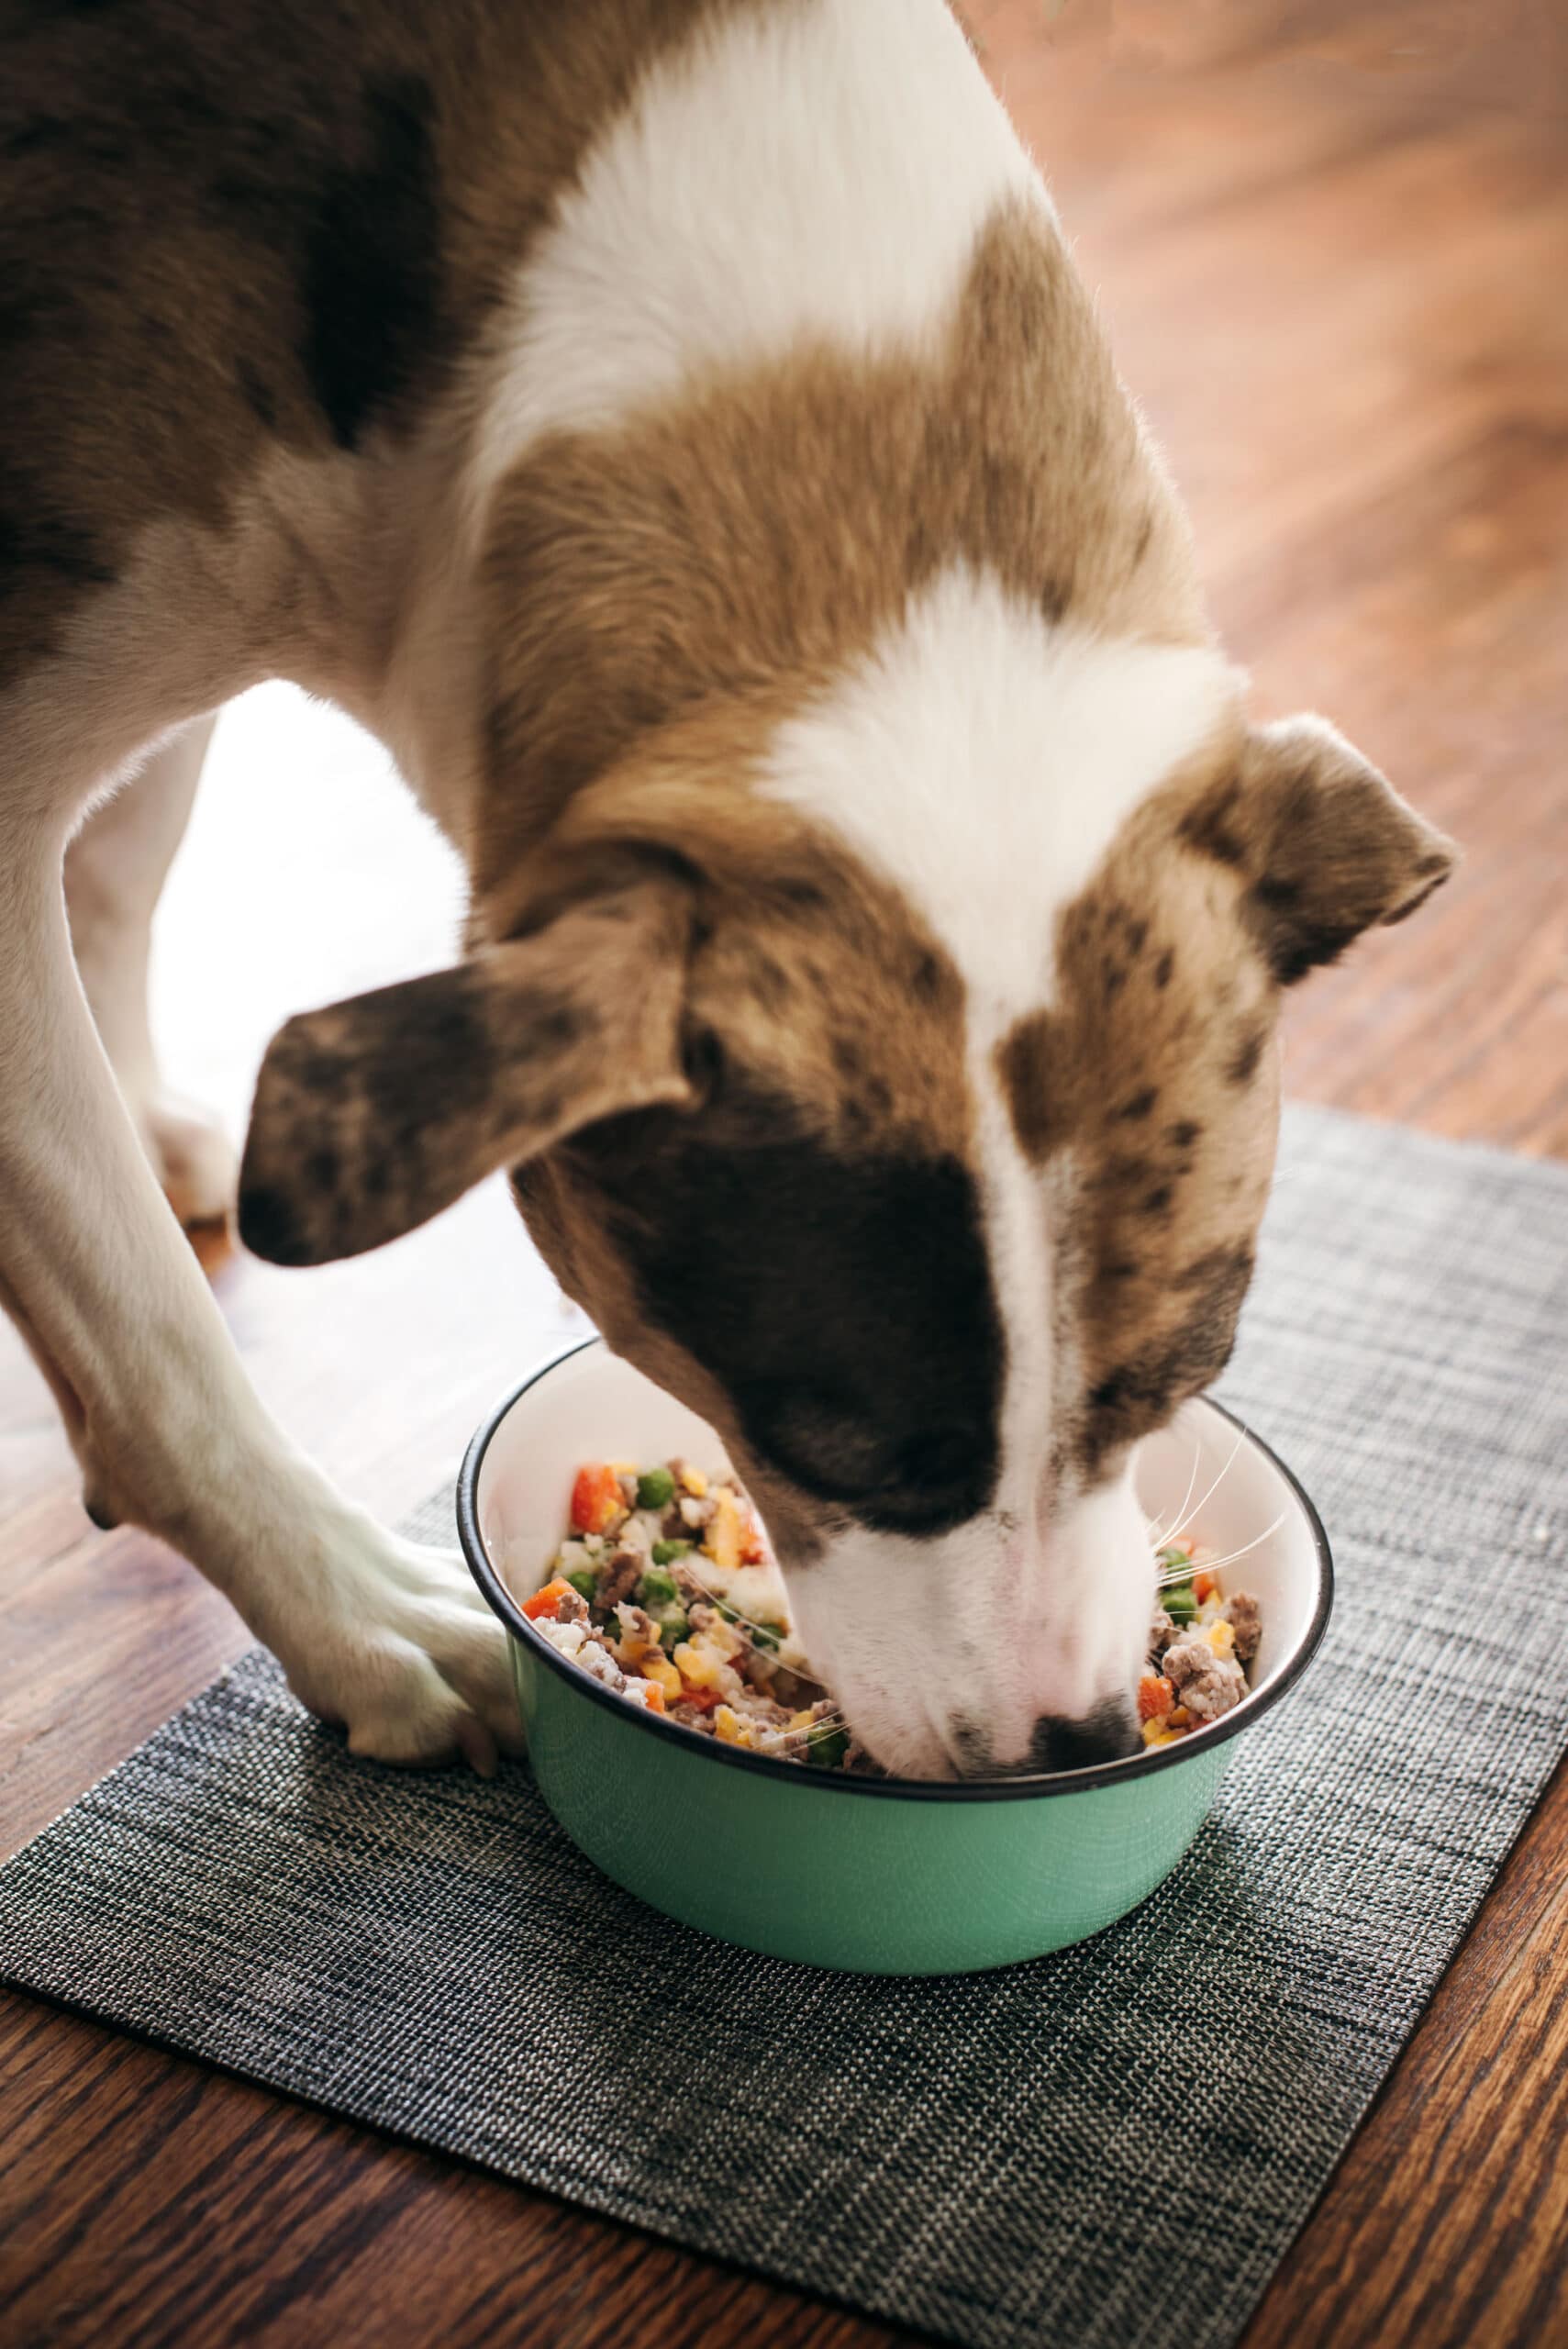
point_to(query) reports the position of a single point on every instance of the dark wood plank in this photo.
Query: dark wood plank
(1447, 2223)
(1328, 237)
(199, 2212)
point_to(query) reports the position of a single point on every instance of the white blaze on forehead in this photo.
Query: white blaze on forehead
(793, 173)
(983, 759)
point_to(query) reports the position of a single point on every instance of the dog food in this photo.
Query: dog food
(664, 1590)
(1200, 1644)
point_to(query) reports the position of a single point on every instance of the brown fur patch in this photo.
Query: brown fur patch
(1155, 1222)
(1269, 853)
(756, 536)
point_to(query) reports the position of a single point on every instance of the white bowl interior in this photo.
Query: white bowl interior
(1202, 1473)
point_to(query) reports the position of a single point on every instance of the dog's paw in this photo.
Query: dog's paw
(192, 1156)
(409, 1661)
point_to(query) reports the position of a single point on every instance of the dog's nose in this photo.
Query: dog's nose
(1107, 1734)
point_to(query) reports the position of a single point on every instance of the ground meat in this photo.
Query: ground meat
(622, 1573)
(1245, 1619)
(571, 1607)
(637, 1624)
(1206, 1683)
(1162, 1632)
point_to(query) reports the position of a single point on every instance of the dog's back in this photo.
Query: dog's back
(259, 226)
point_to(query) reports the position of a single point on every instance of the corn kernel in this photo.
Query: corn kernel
(1156, 1733)
(693, 1481)
(1222, 1637)
(624, 1467)
(726, 1724)
(659, 1668)
(800, 1720)
(1178, 1718)
(693, 1664)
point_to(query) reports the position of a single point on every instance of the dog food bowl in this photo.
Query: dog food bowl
(874, 1875)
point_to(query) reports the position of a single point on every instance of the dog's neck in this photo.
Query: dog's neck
(687, 469)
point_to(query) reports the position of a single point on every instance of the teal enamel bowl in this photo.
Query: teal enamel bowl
(872, 1876)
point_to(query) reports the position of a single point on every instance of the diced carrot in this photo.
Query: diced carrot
(1156, 1696)
(546, 1601)
(701, 1701)
(1204, 1584)
(751, 1551)
(596, 1499)
(654, 1700)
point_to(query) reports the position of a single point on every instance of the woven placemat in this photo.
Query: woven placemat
(1003, 2158)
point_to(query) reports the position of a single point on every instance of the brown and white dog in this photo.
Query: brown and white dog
(675, 428)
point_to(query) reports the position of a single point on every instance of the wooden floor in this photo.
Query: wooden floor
(1330, 242)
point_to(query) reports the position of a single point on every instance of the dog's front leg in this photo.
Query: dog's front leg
(115, 869)
(390, 1641)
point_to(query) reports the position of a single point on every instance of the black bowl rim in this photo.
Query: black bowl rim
(1025, 1786)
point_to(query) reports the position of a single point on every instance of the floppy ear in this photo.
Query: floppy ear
(1329, 846)
(373, 1115)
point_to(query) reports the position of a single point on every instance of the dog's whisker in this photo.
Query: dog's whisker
(739, 1622)
(1212, 1565)
(1158, 1540)
(1198, 1509)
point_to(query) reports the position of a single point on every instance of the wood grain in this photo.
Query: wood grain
(1328, 240)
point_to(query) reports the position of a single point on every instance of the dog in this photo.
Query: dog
(675, 428)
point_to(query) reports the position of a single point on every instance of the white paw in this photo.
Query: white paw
(406, 1656)
(192, 1157)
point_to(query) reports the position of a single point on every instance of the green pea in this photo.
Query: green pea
(584, 1579)
(656, 1588)
(764, 1635)
(655, 1488)
(825, 1751)
(1181, 1604)
(666, 1552)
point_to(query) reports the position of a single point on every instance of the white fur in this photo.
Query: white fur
(984, 760)
(811, 172)
(394, 1641)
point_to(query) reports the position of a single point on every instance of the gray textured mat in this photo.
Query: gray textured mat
(1005, 2158)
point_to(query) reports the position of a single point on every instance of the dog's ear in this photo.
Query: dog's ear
(1327, 847)
(375, 1114)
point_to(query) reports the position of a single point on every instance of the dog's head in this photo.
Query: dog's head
(895, 1080)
